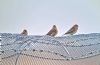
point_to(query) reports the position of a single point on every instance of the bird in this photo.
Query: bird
(53, 31)
(72, 30)
(24, 32)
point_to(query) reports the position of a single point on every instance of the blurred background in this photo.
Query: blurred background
(38, 16)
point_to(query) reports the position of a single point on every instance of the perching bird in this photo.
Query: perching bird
(53, 31)
(24, 32)
(72, 30)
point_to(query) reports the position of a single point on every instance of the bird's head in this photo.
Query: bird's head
(75, 25)
(54, 26)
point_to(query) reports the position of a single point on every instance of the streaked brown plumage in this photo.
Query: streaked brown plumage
(24, 32)
(72, 30)
(53, 31)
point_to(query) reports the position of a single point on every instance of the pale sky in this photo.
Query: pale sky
(38, 16)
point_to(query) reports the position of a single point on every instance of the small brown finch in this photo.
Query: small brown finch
(53, 31)
(72, 30)
(24, 32)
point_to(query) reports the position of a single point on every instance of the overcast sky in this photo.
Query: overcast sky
(38, 16)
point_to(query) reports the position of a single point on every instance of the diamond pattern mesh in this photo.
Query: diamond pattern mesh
(16, 49)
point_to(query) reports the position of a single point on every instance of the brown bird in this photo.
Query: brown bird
(53, 31)
(24, 32)
(72, 30)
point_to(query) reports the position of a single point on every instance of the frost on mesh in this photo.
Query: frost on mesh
(13, 47)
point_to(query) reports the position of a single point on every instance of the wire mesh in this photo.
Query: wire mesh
(14, 48)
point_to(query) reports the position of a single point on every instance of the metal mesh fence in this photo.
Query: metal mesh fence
(16, 49)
